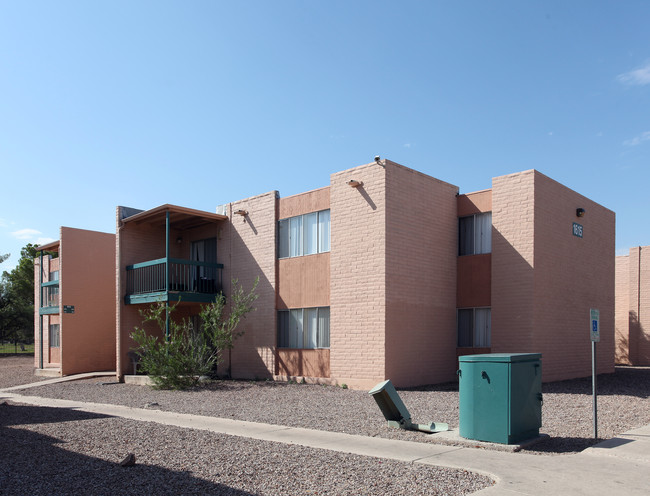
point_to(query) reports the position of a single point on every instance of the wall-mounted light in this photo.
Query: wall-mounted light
(580, 212)
(355, 184)
(179, 240)
(243, 213)
(378, 161)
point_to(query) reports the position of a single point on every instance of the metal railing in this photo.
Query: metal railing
(185, 276)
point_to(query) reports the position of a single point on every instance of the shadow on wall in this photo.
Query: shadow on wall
(57, 470)
(637, 348)
(253, 352)
(511, 290)
(303, 363)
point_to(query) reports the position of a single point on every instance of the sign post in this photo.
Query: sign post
(594, 331)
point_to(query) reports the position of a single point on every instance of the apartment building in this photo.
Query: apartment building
(74, 310)
(633, 307)
(384, 273)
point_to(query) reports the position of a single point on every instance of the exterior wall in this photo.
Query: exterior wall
(304, 203)
(622, 311)
(421, 251)
(572, 275)
(303, 282)
(512, 262)
(303, 363)
(358, 275)
(474, 203)
(545, 279)
(474, 285)
(249, 250)
(633, 307)
(87, 261)
(135, 243)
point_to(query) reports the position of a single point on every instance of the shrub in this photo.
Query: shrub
(189, 353)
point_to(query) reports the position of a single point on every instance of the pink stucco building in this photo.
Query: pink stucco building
(633, 307)
(74, 310)
(384, 273)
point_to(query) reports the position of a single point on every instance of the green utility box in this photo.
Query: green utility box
(500, 397)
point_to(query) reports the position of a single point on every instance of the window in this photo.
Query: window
(55, 336)
(304, 234)
(54, 276)
(51, 296)
(475, 234)
(304, 328)
(474, 327)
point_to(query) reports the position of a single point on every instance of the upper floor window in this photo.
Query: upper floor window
(304, 234)
(54, 275)
(475, 234)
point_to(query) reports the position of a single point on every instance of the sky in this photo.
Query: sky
(200, 103)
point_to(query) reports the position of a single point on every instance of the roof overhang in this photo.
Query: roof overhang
(179, 217)
(53, 246)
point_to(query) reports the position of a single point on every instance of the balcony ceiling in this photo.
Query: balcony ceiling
(180, 218)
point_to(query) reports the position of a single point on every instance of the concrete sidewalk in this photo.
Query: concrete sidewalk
(616, 466)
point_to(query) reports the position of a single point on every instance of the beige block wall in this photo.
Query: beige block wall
(358, 275)
(87, 266)
(512, 262)
(639, 305)
(135, 243)
(249, 249)
(421, 252)
(572, 276)
(622, 310)
(545, 279)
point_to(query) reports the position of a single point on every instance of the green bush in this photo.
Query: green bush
(189, 353)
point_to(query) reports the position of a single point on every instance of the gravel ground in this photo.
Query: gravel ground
(623, 404)
(211, 463)
(59, 451)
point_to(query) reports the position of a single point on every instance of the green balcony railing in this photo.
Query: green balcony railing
(184, 276)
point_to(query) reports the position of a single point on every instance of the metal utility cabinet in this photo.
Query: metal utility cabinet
(500, 397)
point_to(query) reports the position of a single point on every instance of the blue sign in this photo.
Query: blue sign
(577, 230)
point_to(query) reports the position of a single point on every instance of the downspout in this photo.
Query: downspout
(167, 275)
(40, 315)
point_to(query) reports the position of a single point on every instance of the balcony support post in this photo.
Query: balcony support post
(40, 315)
(167, 274)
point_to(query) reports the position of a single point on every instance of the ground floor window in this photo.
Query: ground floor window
(55, 335)
(474, 327)
(304, 328)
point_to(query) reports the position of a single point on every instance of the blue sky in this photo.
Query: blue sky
(198, 103)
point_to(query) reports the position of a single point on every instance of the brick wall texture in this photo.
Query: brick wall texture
(545, 279)
(633, 307)
(421, 247)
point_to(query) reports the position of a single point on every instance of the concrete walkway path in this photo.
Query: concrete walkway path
(619, 466)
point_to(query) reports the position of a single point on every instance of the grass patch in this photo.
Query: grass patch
(16, 349)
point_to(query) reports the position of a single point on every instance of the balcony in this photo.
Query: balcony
(172, 280)
(49, 298)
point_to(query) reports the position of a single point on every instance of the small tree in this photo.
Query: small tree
(190, 353)
(222, 331)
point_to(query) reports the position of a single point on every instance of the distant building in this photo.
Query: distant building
(633, 307)
(74, 310)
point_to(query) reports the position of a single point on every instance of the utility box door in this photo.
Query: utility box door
(500, 397)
